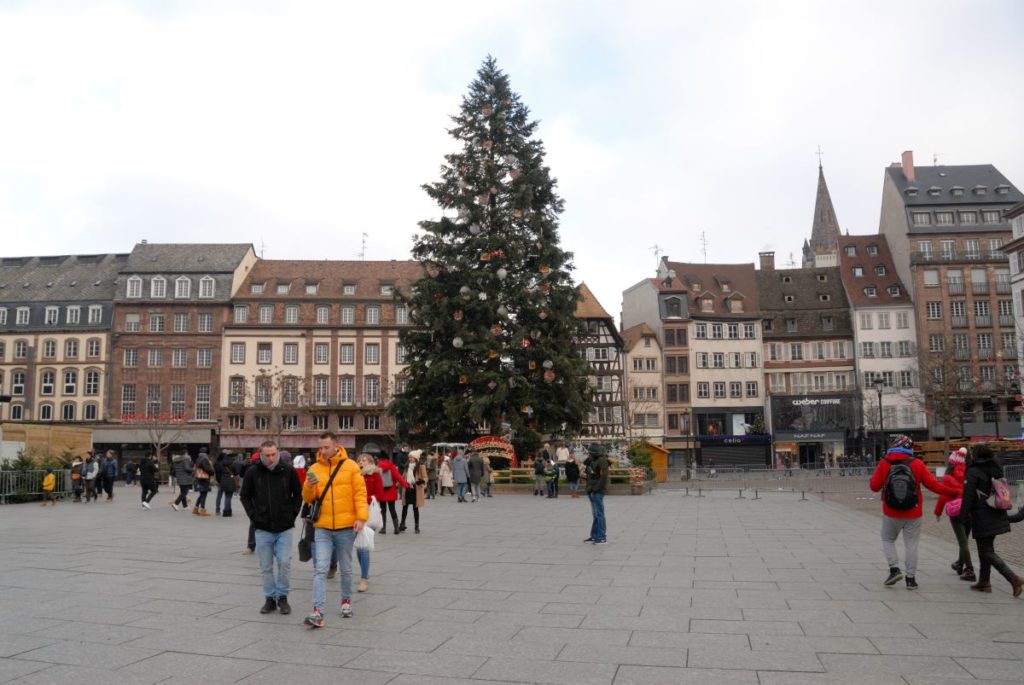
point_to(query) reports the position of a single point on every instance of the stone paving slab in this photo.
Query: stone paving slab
(689, 590)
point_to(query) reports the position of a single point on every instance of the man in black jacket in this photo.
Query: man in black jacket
(272, 497)
(597, 485)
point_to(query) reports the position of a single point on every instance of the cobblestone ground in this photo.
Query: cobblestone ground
(689, 590)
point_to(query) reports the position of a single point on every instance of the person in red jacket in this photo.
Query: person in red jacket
(374, 488)
(900, 476)
(391, 478)
(954, 480)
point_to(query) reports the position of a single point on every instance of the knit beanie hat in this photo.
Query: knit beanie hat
(958, 456)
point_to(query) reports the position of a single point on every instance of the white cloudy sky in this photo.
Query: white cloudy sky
(299, 125)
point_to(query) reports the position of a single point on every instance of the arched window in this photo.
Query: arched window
(207, 287)
(49, 349)
(47, 381)
(91, 411)
(183, 287)
(134, 290)
(93, 348)
(18, 382)
(70, 381)
(46, 412)
(17, 412)
(68, 411)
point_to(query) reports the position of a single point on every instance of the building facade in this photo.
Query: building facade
(1015, 254)
(644, 385)
(946, 227)
(170, 308)
(809, 370)
(885, 342)
(602, 346)
(55, 320)
(313, 346)
(725, 359)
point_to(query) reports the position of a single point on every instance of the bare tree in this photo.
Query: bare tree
(163, 429)
(946, 383)
(279, 400)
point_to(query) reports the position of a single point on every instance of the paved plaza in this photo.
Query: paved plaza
(688, 590)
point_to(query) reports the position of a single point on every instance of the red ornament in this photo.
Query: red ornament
(524, 343)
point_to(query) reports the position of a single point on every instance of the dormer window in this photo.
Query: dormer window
(871, 291)
(348, 289)
(387, 289)
(256, 288)
(311, 288)
(736, 305)
(182, 288)
(707, 305)
(880, 270)
(788, 298)
(827, 324)
(822, 278)
(207, 286)
(158, 288)
(673, 308)
(910, 191)
(1002, 189)
(787, 279)
(134, 287)
(935, 191)
(791, 326)
(957, 191)
(824, 297)
(980, 190)
(725, 287)
(894, 290)
(872, 250)
(283, 288)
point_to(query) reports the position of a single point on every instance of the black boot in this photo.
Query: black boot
(269, 605)
(283, 606)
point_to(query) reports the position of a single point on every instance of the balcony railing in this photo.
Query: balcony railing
(983, 320)
(956, 256)
(979, 287)
(1003, 287)
(956, 288)
(1006, 321)
(1009, 353)
(984, 352)
(959, 321)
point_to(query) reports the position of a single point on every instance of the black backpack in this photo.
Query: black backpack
(900, 486)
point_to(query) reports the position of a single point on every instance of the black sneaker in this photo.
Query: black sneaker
(283, 606)
(589, 540)
(911, 583)
(602, 541)
(895, 576)
(269, 605)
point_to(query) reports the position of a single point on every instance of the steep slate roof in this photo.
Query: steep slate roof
(634, 334)
(740, 278)
(806, 288)
(825, 226)
(854, 286)
(59, 279)
(587, 306)
(330, 276)
(185, 258)
(946, 177)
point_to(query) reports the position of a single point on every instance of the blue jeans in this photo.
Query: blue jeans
(574, 486)
(227, 500)
(328, 542)
(462, 490)
(364, 563)
(271, 546)
(220, 497)
(598, 531)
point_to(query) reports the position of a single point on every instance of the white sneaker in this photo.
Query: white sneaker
(145, 505)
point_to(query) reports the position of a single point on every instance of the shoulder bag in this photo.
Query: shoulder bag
(308, 533)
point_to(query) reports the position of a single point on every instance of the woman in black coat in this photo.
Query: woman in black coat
(987, 523)
(228, 472)
(149, 479)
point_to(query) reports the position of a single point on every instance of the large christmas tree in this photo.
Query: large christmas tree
(494, 325)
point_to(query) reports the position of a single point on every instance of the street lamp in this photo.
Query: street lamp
(879, 386)
(995, 412)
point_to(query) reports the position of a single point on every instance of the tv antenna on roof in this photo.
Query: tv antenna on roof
(656, 249)
(263, 248)
(362, 251)
(704, 242)
(935, 157)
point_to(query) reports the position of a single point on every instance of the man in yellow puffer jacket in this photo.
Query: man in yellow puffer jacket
(342, 516)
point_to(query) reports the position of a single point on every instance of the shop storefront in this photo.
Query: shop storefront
(734, 450)
(807, 428)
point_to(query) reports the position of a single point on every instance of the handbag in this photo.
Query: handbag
(953, 507)
(201, 474)
(306, 540)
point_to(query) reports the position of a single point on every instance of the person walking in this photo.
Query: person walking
(445, 476)
(374, 489)
(228, 483)
(391, 478)
(182, 469)
(337, 487)
(272, 497)
(475, 472)
(108, 471)
(899, 476)
(77, 466)
(149, 479)
(960, 521)
(460, 472)
(432, 476)
(49, 485)
(987, 522)
(202, 477)
(415, 494)
(539, 469)
(488, 478)
(91, 471)
(596, 466)
(572, 476)
(131, 470)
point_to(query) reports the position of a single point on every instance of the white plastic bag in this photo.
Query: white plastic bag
(376, 521)
(364, 538)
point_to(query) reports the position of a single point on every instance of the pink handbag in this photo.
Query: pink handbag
(953, 507)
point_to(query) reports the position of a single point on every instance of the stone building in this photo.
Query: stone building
(602, 347)
(1015, 253)
(808, 360)
(946, 227)
(170, 308)
(644, 385)
(55, 320)
(313, 346)
(823, 248)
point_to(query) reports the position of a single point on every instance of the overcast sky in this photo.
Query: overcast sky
(299, 125)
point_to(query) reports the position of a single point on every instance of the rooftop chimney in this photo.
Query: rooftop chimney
(908, 164)
(767, 261)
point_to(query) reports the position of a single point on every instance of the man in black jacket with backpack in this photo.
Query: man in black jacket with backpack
(272, 497)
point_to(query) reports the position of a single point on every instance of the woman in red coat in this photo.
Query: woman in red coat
(954, 480)
(390, 480)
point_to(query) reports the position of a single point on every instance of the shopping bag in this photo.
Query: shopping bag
(364, 539)
(376, 521)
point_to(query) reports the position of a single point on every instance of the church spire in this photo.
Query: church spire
(825, 227)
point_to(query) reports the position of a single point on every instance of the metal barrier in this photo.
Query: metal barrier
(23, 486)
